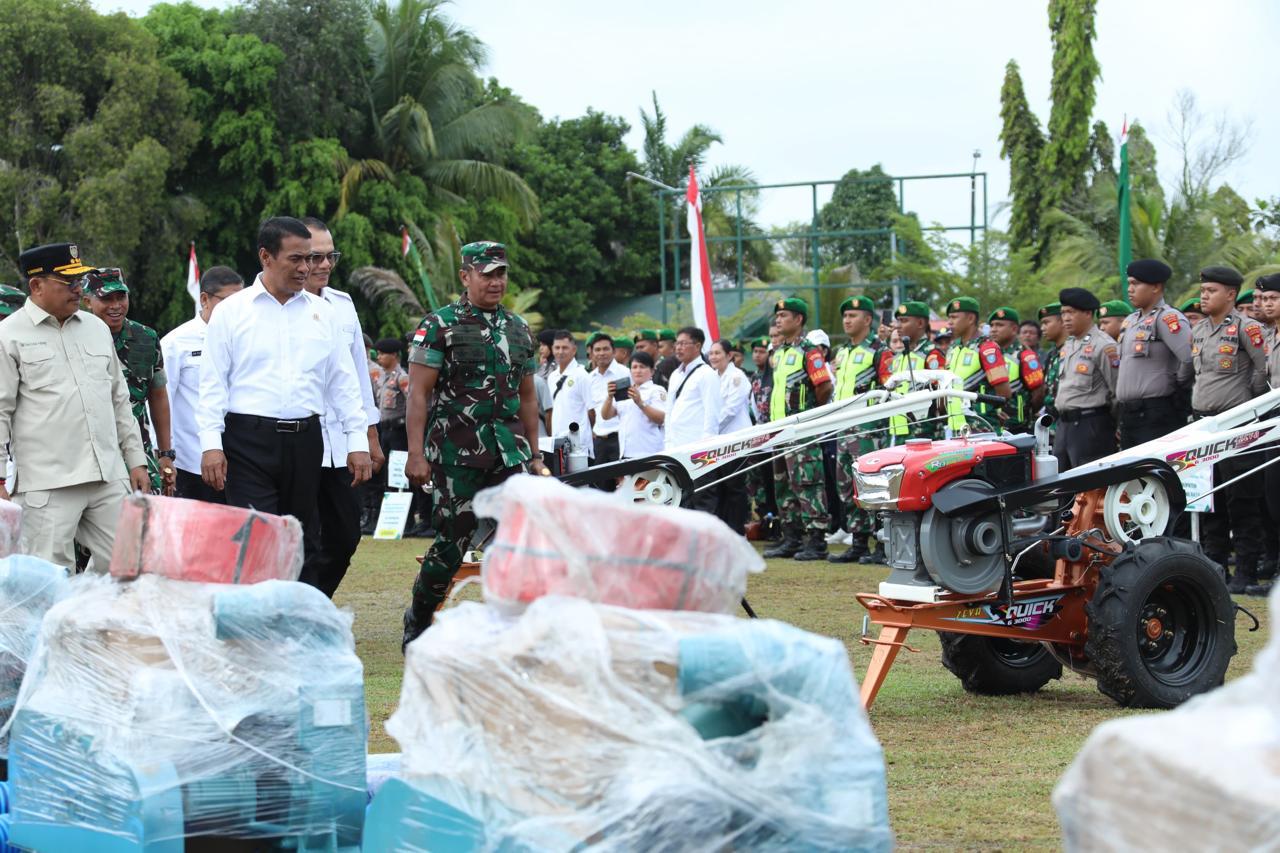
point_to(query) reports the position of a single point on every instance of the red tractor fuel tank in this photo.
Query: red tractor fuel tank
(906, 477)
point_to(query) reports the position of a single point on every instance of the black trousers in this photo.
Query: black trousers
(1146, 420)
(332, 540)
(193, 487)
(1242, 523)
(606, 449)
(1271, 492)
(732, 504)
(1078, 442)
(274, 471)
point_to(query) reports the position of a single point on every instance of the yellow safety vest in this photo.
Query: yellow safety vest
(898, 424)
(853, 363)
(787, 372)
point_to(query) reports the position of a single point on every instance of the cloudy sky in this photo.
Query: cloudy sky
(805, 90)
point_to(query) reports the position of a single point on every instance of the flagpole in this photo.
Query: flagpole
(1124, 241)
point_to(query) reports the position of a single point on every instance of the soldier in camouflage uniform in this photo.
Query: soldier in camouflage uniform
(858, 366)
(1026, 374)
(1054, 336)
(801, 381)
(761, 476)
(138, 348)
(911, 325)
(478, 359)
(11, 299)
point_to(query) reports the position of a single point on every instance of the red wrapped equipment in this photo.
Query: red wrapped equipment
(204, 542)
(553, 539)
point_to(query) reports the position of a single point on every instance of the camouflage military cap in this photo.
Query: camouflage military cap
(484, 256)
(858, 303)
(963, 303)
(667, 335)
(1053, 309)
(645, 335)
(1192, 304)
(794, 304)
(1115, 308)
(11, 299)
(103, 282)
(1245, 298)
(1004, 313)
(912, 309)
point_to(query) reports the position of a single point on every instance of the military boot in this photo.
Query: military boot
(1245, 575)
(788, 547)
(815, 547)
(414, 624)
(876, 558)
(856, 550)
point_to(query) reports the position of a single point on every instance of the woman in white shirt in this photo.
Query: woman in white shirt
(641, 414)
(735, 388)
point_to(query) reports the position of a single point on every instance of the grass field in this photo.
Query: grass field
(965, 771)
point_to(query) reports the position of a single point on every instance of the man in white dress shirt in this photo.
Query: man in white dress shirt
(570, 392)
(693, 403)
(272, 365)
(337, 533)
(604, 369)
(183, 351)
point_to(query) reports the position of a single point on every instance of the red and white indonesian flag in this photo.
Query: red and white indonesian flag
(704, 302)
(193, 278)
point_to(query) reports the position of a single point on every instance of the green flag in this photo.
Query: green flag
(1125, 242)
(409, 252)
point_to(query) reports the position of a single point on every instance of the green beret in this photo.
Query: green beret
(1192, 304)
(794, 304)
(1245, 298)
(963, 303)
(598, 336)
(1053, 309)
(1004, 313)
(621, 343)
(912, 309)
(645, 335)
(11, 299)
(762, 341)
(858, 303)
(666, 335)
(1115, 308)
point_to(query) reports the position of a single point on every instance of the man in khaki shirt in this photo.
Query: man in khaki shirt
(1086, 384)
(65, 415)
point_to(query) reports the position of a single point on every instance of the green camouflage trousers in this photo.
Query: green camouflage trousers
(848, 450)
(785, 498)
(455, 522)
(806, 484)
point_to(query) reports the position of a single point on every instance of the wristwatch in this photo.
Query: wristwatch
(167, 454)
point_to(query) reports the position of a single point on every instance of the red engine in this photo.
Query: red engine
(914, 471)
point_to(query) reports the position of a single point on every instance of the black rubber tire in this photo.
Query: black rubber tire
(992, 666)
(1155, 574)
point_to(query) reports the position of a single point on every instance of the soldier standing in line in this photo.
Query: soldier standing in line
(477, 358)
(761, 476)
(1268, 303)
(646, 341)
(857, 366)
(909, 341)
(1086, 384)
(1191, 310)
(667, 361)
(1244, 304)
(138, 348)
(1229, 364)
(1154, 342)
(1026, 376)
(1111, 317)
(1054, 336)
(801, 381)
(977, 362)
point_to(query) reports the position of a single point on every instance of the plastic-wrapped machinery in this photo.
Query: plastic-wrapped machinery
(1205, 776)
(28, 587)
(578, 725)
(158, 709)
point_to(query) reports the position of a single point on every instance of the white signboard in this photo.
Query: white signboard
(393, 515)
(1196, 481)
(396, 460)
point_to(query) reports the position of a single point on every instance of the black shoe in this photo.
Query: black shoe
(1267, 570)
(877, 557)
(854, 553)
(814, 549)
(1239, 584)
(1262, 589)
(788, 547)
(421, 530)
(413, 627)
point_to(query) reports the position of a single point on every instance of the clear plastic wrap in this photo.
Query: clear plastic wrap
(160, 709)
(204, 542)
(1205, 776)
(553, 539)
(10, 527)
(584, 726)
(29, 586)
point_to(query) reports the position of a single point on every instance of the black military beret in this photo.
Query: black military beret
(1149, 271)
(1268, 283)
(1222, 275)
(388, 345)
(1078, 298)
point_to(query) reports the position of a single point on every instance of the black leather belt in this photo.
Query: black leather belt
(1073, 415)
(256, 422)
(1137, 407)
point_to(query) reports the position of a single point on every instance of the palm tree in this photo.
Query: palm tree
(430, 117)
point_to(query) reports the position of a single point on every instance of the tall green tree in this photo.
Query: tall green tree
(1022, 144)
(1065, 158)
(863, 200)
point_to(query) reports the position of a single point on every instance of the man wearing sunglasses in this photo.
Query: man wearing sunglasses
(65, 414)
(138, 348)
(334, 539)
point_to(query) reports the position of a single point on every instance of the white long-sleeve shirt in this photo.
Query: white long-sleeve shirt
(335, 439)
(276, 360)
(183, 351)
(599, 388)
(693, 406)
(735, 391)
(570, 402)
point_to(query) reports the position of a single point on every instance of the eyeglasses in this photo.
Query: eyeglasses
(318, 258)
(77, 283)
